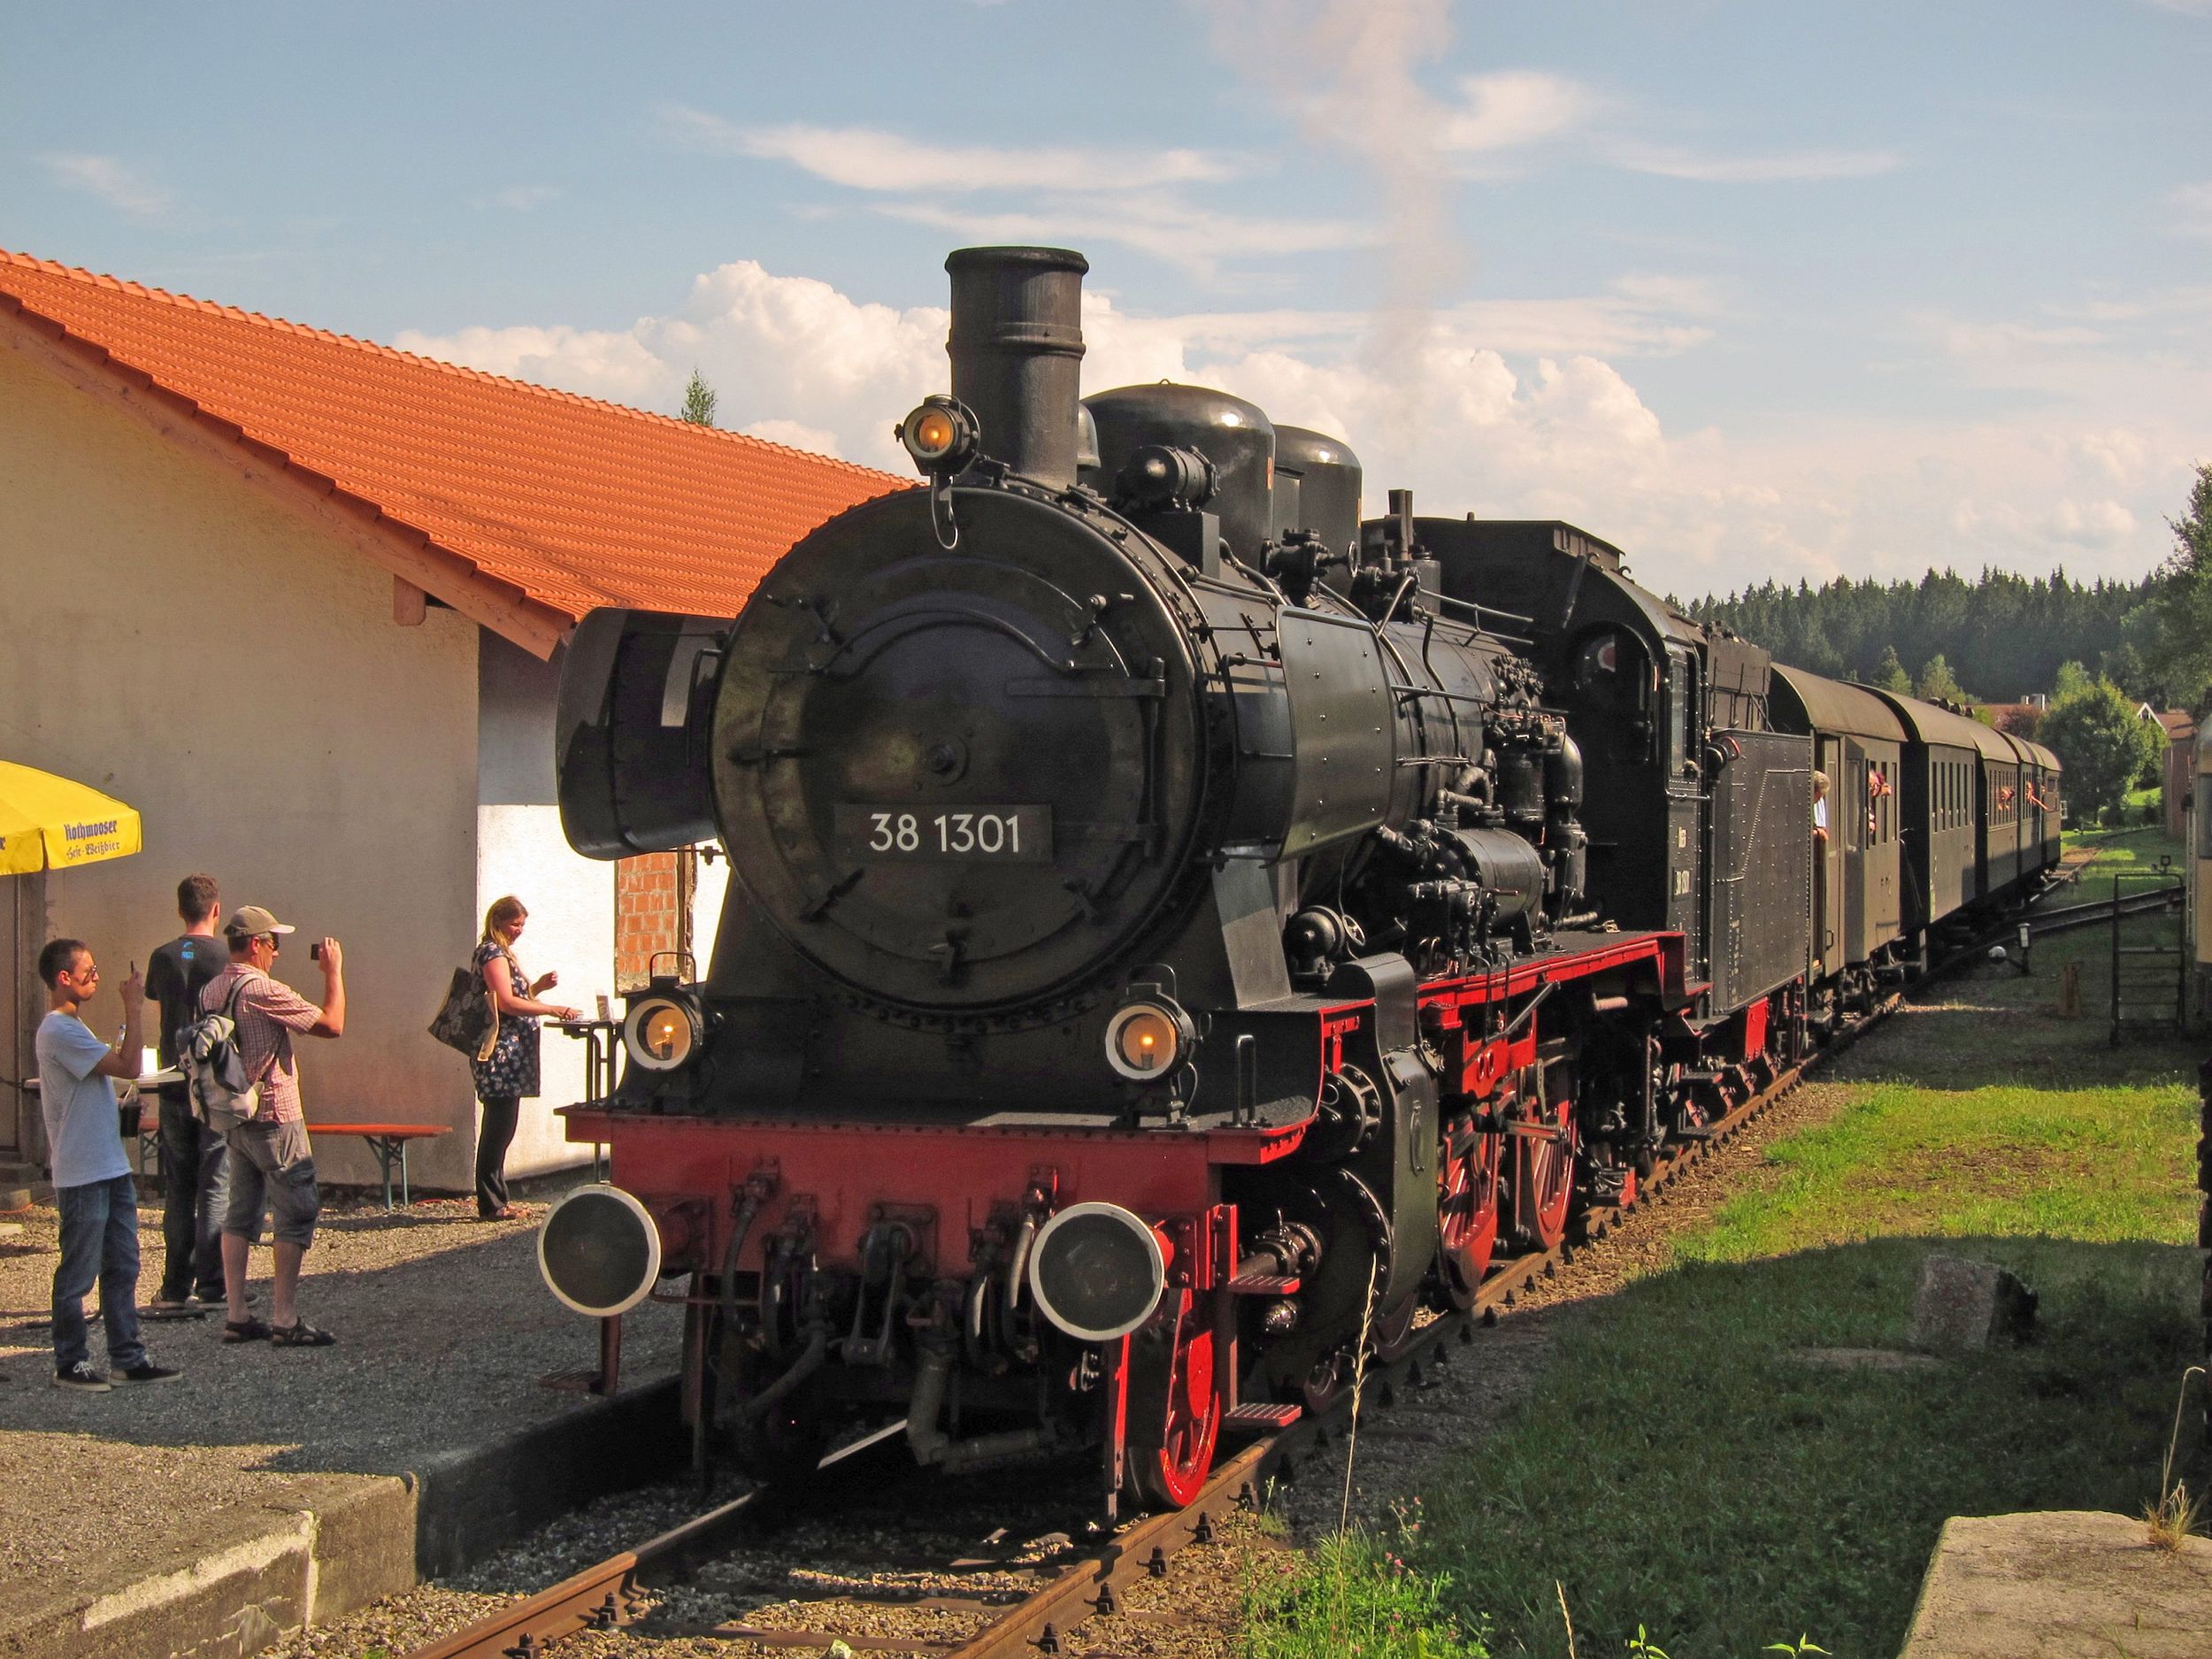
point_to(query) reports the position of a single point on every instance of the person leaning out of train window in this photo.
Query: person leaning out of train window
(510, 1074)
(1820, 807)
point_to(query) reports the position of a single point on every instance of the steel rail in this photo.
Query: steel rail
(2164, 897)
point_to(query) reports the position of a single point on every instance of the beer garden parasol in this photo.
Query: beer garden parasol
(51, 823)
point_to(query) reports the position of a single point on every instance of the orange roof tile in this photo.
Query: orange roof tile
(575, 502)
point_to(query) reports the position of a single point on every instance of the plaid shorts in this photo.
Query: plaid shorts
(272, 1168)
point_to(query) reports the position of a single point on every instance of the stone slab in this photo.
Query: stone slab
(2066, 1584)
(1963, 1305)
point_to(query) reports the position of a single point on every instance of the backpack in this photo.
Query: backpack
(222, 1095)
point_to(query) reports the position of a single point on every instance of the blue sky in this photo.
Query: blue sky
(1752, 289)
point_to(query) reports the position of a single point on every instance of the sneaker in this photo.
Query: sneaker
(146, 1370)
(82, 1377)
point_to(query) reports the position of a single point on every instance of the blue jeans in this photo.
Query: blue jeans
(99, 1242)
(196, 1165)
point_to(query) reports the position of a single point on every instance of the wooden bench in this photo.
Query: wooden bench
(389, 1142)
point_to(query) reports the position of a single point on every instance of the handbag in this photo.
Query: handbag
(466, 1019)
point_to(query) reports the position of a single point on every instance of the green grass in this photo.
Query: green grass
(1356, 1597)
(2138, 847)
(1679, 1466)
(1979, 1113)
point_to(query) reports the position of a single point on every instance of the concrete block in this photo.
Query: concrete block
(247, 1579)
(471, 1503)
(2060, 1585)
(1963, 1305)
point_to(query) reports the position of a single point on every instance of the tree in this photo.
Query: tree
(2102, 744)
(1891, 675)
(2178, 653)
(2022, 719)
(699, 401)
(1938, 683)
(2073, 681)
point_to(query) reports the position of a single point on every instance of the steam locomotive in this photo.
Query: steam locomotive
(1179, 929)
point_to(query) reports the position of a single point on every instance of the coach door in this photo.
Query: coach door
(1828, 864)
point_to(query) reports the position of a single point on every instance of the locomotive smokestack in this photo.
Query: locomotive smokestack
(1016, 350)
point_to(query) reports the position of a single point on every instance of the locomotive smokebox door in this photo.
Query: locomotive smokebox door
(630, 732)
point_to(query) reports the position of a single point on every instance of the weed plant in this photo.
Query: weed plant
(1356, 1597)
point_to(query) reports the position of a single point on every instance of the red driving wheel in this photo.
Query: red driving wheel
(1467, 1216)
(1543, 1174)
(1174, 1409)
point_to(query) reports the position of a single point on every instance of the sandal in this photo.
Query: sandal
(300, 1335)
(246, 1330)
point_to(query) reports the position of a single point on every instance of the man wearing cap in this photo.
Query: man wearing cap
(272, 1165)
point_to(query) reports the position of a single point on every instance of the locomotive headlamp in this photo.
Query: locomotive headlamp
(661, 1031)
(941, 436)
(1146, 1039)
(599, 1251)
(1097, 1271)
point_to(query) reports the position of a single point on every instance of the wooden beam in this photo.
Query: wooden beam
(408, 554)
(409, 605)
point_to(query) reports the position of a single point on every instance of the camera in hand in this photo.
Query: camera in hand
(315, 951)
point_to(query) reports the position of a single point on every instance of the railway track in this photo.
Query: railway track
(2083, 915)
(1093, 1580)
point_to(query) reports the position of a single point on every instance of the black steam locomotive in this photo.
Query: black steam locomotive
(1178, 925)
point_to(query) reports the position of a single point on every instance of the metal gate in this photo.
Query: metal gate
(2150, 969)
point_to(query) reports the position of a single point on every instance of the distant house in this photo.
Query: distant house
(2177, 778)
(301, 600)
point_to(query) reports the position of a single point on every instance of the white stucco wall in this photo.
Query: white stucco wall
(522, 851)
(177, 638)
(706, 907)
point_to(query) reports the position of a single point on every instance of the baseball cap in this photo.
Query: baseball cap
(251, 921)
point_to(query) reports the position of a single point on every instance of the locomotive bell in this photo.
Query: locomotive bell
(599, 1251)
(1097, 1270)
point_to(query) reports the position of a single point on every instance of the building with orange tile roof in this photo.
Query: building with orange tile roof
(301, 599)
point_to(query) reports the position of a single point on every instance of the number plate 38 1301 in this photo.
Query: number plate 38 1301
(969, 835)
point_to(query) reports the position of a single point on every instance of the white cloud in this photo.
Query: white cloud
(1165, 226)
(2006, 341)
(2191, 208)
(600, 363)
(109, 180)
(1796, 166)
(862, 158)
(795, 435)
(1530, 409)
(1514, 108)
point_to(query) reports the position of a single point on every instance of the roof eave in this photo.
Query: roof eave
(400, 547)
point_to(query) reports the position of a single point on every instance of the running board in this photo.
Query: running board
(1260, 1419)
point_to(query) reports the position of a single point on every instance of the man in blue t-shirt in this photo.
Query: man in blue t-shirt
(93, 1189)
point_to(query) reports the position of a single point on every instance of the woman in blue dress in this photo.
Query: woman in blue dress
(509, 1074)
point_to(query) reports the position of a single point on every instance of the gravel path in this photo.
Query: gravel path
(444, 1330)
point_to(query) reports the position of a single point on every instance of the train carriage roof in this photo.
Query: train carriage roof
(1828, 705)
(1929, 724)
(2044, 757)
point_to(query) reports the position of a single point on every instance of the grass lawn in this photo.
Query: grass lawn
(1682, 1466)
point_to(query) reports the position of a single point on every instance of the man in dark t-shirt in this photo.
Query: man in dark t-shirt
(196, 1161)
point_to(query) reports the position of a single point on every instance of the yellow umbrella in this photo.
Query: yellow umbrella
(47, 821)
